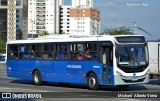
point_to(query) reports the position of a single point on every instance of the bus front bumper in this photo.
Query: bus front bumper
(121, 80)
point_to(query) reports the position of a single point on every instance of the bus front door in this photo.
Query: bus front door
(107, 63)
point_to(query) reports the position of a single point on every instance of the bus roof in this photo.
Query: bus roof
(70, 38)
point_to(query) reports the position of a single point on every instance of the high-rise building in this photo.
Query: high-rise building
(19, 20)
(13, 19)
(44, 17)
(82, 3)
(65, 19)
(25, 20)
(80, 18)
(3, 20)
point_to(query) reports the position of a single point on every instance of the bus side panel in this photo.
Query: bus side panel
(48, 70)
(60, 71)
(96, 67)
(20, 69)
(75, 71)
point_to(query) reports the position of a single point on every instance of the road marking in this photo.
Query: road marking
(30, 90)
(5, 77)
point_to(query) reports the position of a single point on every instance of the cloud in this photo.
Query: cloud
(108, 4)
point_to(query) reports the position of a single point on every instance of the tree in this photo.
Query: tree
(2, 43)
(43, 33)
(2, 47)
(2, 29)
(119, 31)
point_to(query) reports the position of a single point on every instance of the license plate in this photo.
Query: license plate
(134, 79)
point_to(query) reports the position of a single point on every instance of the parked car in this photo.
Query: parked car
(3, 59)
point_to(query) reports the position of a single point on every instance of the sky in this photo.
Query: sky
(118, 13)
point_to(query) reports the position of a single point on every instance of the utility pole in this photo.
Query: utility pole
(135, 27)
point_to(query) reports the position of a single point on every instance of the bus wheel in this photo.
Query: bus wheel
(123, 87)
(37, 79)
(92, 82)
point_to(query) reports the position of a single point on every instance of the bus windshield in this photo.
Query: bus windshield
(132, 55)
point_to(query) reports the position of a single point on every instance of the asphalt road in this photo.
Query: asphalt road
(75, 92)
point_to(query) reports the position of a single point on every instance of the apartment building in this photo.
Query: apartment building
(80, 18)
(65, 19)
(3, 21)
(13, 19)
(25, 20)
(84, 21)
(43, 17)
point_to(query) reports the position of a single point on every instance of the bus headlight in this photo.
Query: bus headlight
(118, 73)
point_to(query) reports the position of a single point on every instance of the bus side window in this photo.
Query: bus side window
(45, 55)
(15, 56)
(36, 52)
(93, 55)
(56, 56)
(91, 51)
(61, 52)
(73, 56)
(48, 51)
(13, 53)
(50, 55)
(79, 56)
(24, 52)
(33, 55)
(76, 51)
(87, 54)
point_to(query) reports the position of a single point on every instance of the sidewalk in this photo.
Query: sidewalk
(2, 67)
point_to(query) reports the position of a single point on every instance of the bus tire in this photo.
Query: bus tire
(37, 79)
(92, 82)
(123, 87)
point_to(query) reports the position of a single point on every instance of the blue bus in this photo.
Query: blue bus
(92, 60)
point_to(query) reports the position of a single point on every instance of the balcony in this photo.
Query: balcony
(40, 13)
(40, 23)
(41, 8)
(40, 16)
(41, 19)
(41, 0)
(40, 4)
(40, 27)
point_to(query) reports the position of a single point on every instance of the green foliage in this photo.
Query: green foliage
(43, 33)
(119, 31)
(2, 43)
(2, 47)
